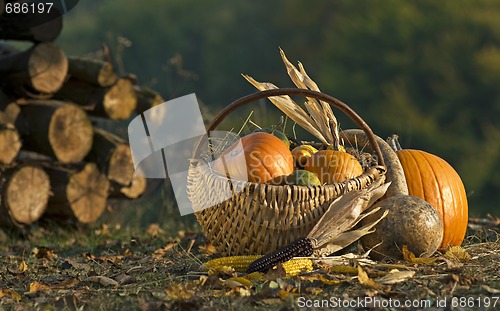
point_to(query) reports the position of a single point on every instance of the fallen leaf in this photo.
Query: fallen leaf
(10, 294)
(241, 291)
(37, 286)
(179, 291)
(314, 290)
(23, 266)
(76, 265)
(103, 280)
(154, 230)
(396, 276)
(409, 256)
(255, 276)
(160, 252)
(222, 271)
(457, 253)
(276, 273)
(490, 290)
(208, 248)
(273, 284)
(343, 269)
(326, 281)
(365, 280)
(285, 295)
(43, 253)
(237, 281)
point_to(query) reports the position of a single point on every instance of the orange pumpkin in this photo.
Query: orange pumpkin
(333, 166)
(434, 180)
(257, 157)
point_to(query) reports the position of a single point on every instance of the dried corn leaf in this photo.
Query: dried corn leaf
(457, 253)
(327, 109)
(290, 108)
(312, 105)
(365, 280)
(409, 256)
(346, 259)
(396, 276)
(349, 237)
(344, 213)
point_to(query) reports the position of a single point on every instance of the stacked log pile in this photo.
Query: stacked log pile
(54, 160)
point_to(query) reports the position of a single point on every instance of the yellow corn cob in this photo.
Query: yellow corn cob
(238, 263)
(296, 266)
(292, 267)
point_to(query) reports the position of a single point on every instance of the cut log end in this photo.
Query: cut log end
(136, 188)
(10, 144)
(120, 101)
(106, 76)
(27, 193)
(121, 166)
(70, 134)
(87, 193)
(48, 67)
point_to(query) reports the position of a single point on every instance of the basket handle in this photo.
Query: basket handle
(295, 92)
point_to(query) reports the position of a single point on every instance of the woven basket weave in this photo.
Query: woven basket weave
(260, 218)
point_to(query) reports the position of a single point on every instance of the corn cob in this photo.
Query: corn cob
(296, 266)
(241, 263)
(238, 263)
(299, 248)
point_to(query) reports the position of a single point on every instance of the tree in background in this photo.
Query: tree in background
(427, 70)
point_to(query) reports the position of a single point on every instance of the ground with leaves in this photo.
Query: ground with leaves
(110, 268)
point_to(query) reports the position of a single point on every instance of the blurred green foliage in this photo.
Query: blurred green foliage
(427, 70)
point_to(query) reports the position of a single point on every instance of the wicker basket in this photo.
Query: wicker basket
(260, 218)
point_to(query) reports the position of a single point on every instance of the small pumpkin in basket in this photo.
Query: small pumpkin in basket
(258, 157)
(302, 153)
(333, 166)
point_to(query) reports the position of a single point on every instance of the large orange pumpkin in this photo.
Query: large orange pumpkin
(257, 157)
(431, 178)
(333, 166)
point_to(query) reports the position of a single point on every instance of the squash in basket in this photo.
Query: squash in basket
(257, 157)
(431, 178)
(333, 166)
(302, 153)
(302, 178)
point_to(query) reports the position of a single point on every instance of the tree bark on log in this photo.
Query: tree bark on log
(57, 129)
(116, 102)
(146, 98)
(40, 69)
(33, 27)
(24, 193)
(80, 194)
(92, 71)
